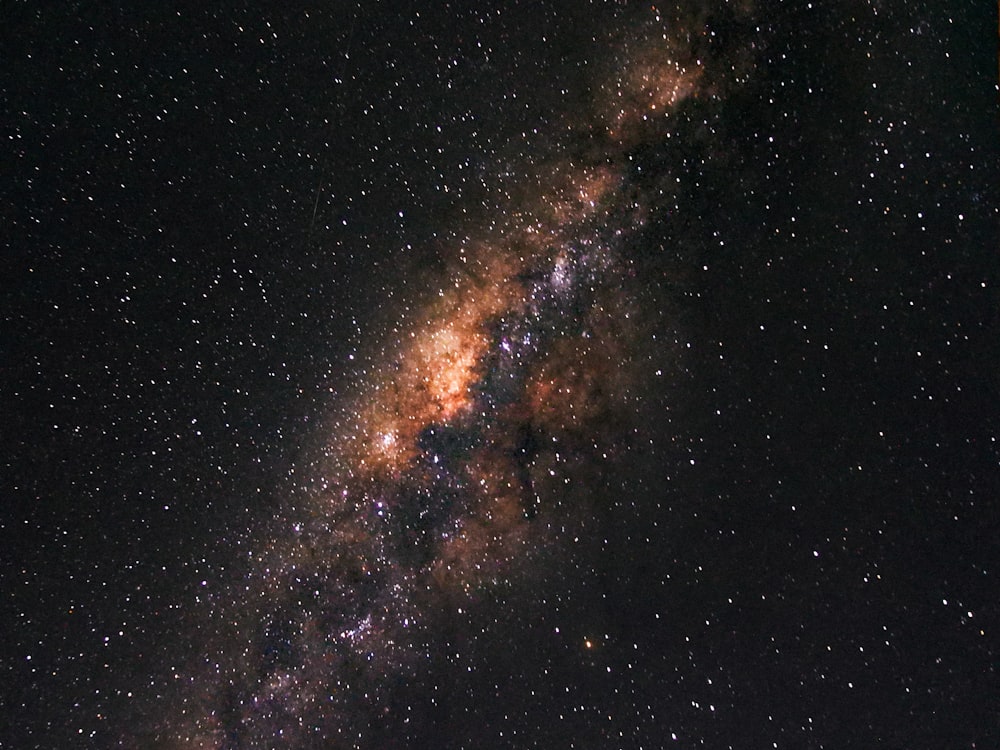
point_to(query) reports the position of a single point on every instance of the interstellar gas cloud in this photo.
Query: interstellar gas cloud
(453, 486)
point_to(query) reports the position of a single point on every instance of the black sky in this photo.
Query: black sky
(213, 216)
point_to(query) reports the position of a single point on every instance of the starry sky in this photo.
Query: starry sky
(499, 375)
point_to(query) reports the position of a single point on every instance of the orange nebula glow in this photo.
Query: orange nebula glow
(438, 359)
(579, 194)
(647, 92)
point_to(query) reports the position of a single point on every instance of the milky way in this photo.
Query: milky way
(466, 457)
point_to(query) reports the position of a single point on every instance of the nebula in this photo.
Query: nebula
(453, 464)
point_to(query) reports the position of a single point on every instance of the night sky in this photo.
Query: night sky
(499, 375)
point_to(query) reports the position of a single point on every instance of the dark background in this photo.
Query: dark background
(205, 209)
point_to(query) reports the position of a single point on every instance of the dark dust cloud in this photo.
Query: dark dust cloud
(545, 375)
